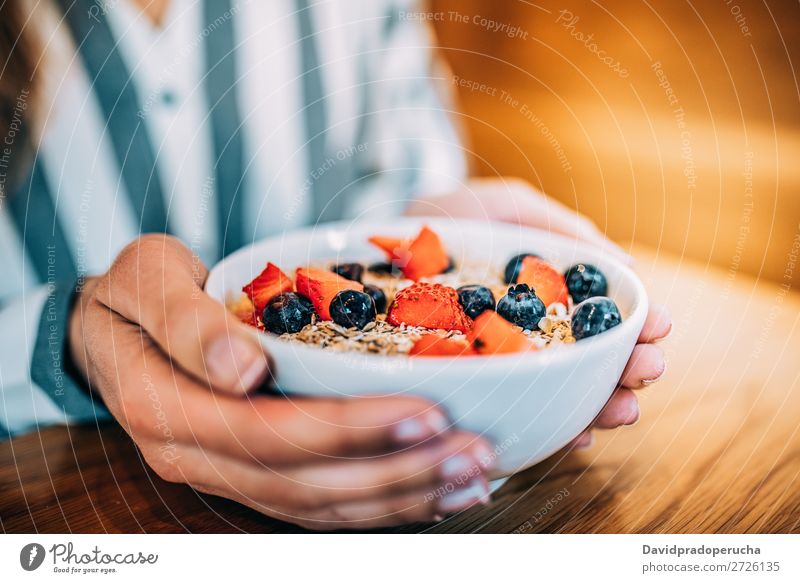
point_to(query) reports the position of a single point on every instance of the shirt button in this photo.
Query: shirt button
(168, 97)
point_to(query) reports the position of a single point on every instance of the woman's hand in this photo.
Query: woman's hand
(516, 201)
(177, 371)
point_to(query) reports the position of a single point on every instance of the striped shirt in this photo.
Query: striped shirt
(232, 121)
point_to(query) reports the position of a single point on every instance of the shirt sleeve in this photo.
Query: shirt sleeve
(39, 386)
(409, 124)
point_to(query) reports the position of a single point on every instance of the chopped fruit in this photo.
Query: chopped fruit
(321, 286)
(521, 307)
(269, 283)
(451, 265)
(377, 296)
(594, 316)
(352, 309)
(427, 256)
(351, 271)
(513, 266)
(585, 281)
(424, 256)
(491, 334)
(288, 312)
(429, 305)
(392, 246)
(548, 284)
(435, 345)
(475, 299)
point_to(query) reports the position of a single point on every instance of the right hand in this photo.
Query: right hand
(177, 371)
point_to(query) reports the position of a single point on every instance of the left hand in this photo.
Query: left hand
(516, 201)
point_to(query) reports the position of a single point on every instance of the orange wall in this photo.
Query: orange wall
(710, 170)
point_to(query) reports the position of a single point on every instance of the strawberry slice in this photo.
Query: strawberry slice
(268, 284)
(427, 256)
(321, 286)
(389, 245)
(429, 305)
(435, 345)
(548, 284)
(492, 334)
(424, 256)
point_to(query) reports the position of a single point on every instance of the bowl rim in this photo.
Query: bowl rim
(575, 351)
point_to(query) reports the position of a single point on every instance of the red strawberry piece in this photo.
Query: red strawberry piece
(424, 256)
(429, 305)
(321, 286)
(268, 284)
(392, 246)
(548, 284)
(427, 256)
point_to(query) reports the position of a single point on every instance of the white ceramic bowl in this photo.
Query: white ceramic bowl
(528, 405)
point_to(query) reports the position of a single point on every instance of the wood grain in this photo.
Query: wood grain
(717, 448)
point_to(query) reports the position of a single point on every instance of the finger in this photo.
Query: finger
(559, 218)
(282, 431)
(645, 366)
(396, 511)
(155, 283)
(621, 409)
(319, 487)
(447, 464)
(657, 325)
(151, 397)
(419, 506)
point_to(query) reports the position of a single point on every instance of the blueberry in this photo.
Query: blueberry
(594, 316)
(351, 271)
(514, 265)
(288, 312)
(377, 296)
(352, 309)
(385, 268)
(585, 281)
(451, 265)
(521, 307)
(475, 299)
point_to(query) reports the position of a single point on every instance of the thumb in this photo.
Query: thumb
(155, 283)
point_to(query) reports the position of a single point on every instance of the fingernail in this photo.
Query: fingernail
(476, 492)
(234, 362)
(665, 336)
(420, 427)
(457, 466)
(586, 441)
(657, 378)
(633, 416)
(485, 454)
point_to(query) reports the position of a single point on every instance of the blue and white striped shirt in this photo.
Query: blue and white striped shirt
(234, 120)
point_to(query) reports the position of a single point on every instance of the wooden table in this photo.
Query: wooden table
(717, 448)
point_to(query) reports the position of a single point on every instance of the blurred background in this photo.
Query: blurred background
(674, 125)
